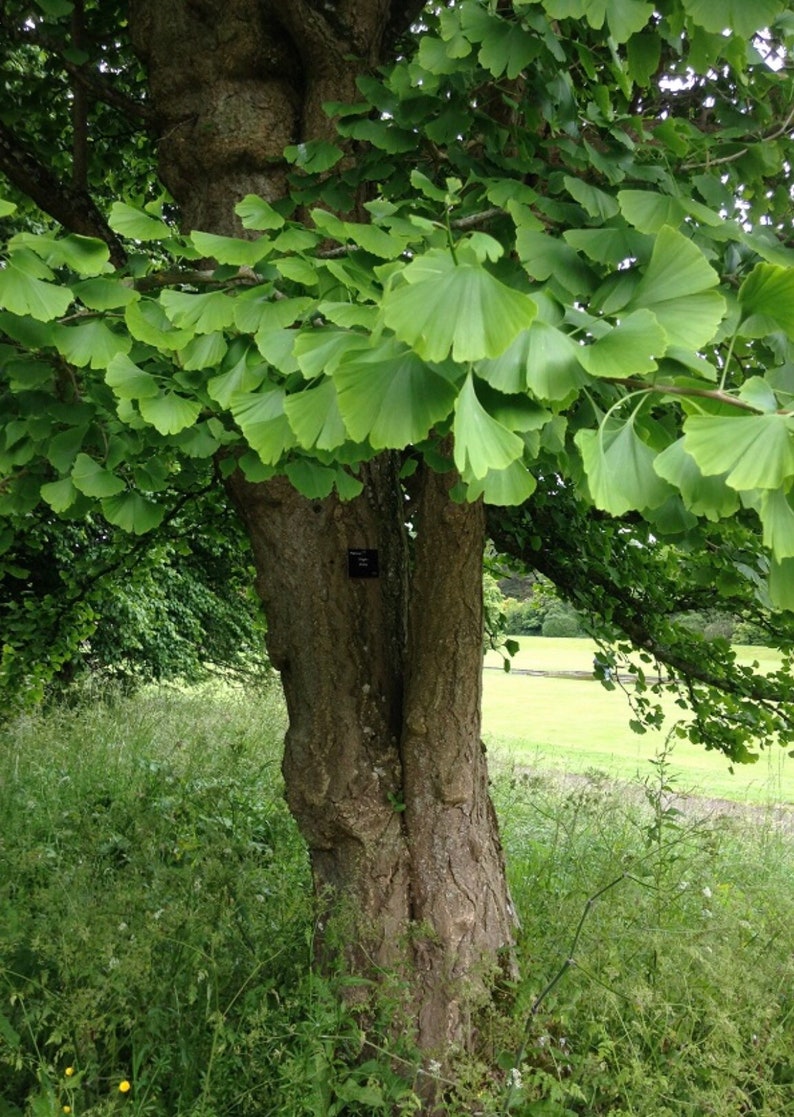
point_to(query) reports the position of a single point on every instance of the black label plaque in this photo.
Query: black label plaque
(362, 563)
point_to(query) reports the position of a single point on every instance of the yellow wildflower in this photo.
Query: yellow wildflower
(67, 1109)
(124, 1087)
(69, 1072)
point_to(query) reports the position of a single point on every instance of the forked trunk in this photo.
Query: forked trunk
(384, 767)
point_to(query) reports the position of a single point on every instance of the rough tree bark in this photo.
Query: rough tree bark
(384, 766)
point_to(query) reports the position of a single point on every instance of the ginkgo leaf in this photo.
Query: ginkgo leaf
(703, 496)
(443, 306)
(630, 349)
(60, 495)
(609, 245)
(623, 16)
(546, 257)
(146, 320)
(677, 288)
(649, 211)
(313, 480)
(277, 346)
(128, 381)
(376, 241)
(620, 468)
(201, 313)
(104, 294)
(92, 479)
(264, 423)
(169, 413)
(256, 213)
(62, 448)
(740, 16)
(199, 441)
(135, 224)
(255, 311)
(506, 487)
(204, 351)
(24, 294)
(320, 351)
(595, 202)
(481, 443)
(315, 418)
(90, 343)
(348, 314)
(508, 49)
(777, 516)
(391, 397)
(231, 250)
(314, 156)
(543, 359)
(753, 451)
(781, 583)
(759, 393)
(84, 255)
(245, 375)
(768, 292)
(516, 411)
(132, 512)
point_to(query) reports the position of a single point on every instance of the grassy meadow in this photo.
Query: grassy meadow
(576, 725)
(156, 927)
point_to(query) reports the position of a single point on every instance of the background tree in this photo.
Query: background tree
(528, 255)
(86, 602)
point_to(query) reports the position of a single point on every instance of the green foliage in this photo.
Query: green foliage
(157, 921)
(561, 622)
(641, 589)
(669, 1004)
(575, 288)
(80, 598)
(149, 854)
(541, 612)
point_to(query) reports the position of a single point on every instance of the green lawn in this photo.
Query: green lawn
(577, 725)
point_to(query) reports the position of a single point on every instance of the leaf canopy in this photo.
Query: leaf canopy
(572, 259)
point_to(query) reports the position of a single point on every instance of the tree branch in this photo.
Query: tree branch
(72, 208)
(597, 572)
(91, 80)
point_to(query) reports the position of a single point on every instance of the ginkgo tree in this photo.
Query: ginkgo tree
(408, 263)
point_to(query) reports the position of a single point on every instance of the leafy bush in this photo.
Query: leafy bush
(746, 632)
(528, 616)
(562, 622)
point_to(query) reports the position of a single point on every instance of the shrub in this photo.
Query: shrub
(746, 632)
(565, 623)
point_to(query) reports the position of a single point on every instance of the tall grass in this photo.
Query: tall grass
(156, 931)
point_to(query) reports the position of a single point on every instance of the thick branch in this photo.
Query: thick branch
(561, 547)
(74, 209)
(79, 110)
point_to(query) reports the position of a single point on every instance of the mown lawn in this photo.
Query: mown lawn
(576, 725)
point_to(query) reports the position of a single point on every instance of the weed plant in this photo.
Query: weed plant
(156, 934)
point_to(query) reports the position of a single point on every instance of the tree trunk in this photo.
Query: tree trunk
(384, 767)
